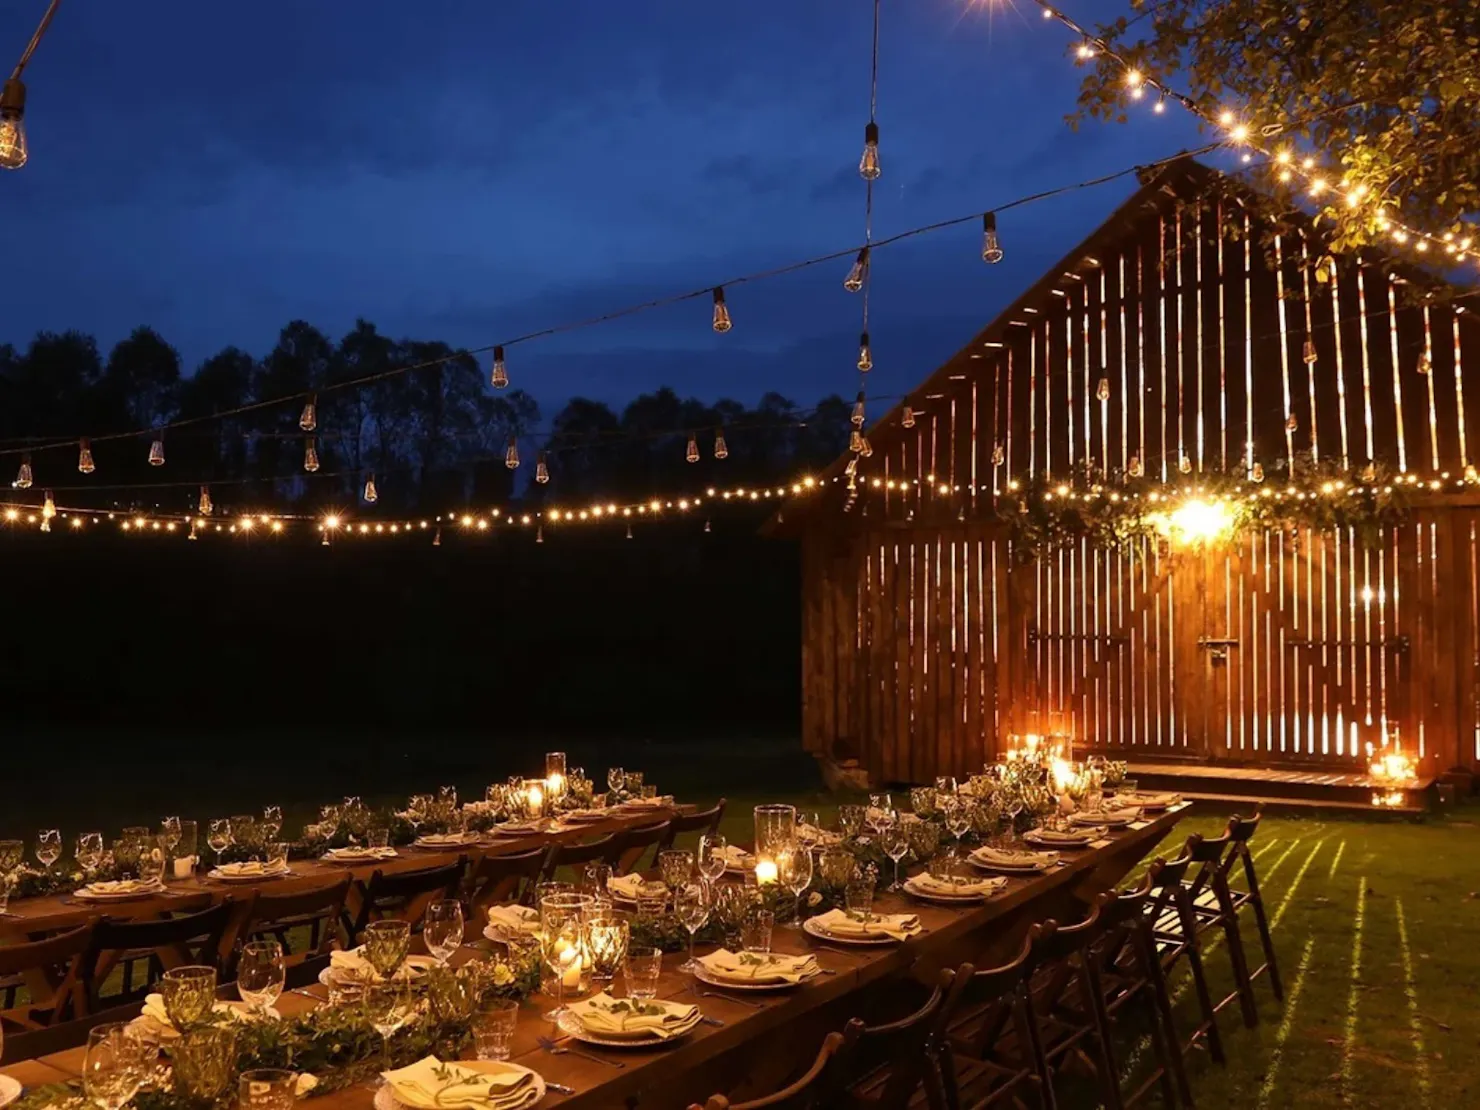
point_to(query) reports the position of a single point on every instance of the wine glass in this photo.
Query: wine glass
(691, 907)
(113, 1066)
(712, 856)
(89, 851)
(447, 795)
(880, 812)
(794, 869)
(260, 973)
(562, 949)
(442, 929)
(850, 820)
(386, 945)
(48, 847)
(169, 834)
(958, 818)
(676, 866)
(895, 841)
(272, 822)
(12, 852)
(616, 778)
(387, 1004)
(219, 837)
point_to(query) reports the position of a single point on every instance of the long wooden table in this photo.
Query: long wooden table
(769, 1027)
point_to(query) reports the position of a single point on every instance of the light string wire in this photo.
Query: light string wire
(20, 66)
(60, 442)
(1241, 134)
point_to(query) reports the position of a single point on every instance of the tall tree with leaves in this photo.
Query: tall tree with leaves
(1386, 94)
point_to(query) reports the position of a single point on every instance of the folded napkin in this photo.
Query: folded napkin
(1000, 857)
(625, 886)
(249, 868)
(120, 886)
(630, 1017)
(841, 923)
(437, 840)
(154, 1011)
(514, 919)
(1107, 817)
(736, 857)
(959, 887)
(360, 853)
(759, 967)
(429, 1084)
(658, 801)
(1147, 801)
(1061, 836)
(352, 964)
(811, 834)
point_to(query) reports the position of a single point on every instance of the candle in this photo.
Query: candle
(569, 958)
(1063, 773)
(536, 798)
(765, 872)
(555, 785)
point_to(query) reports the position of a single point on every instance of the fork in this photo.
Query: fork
(700, 993)
(554, 1049)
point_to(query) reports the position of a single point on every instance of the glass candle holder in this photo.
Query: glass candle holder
(775, 829)
(607, 938)
(267, 1089)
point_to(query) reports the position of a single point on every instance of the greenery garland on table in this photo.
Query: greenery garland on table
(1045, 515)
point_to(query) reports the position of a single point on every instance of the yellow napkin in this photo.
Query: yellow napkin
(1059, 836)
(960, 888)
(896, 925)
(429, 1084)
(120, 886)
(1107, 817)
(625, 886)
(154, 1011)
(352, 964)
(811, 834)
(1147, 801)
(998, 857)
(514, 919)
(437, 840)
(755, 967)
(630, 1017)
(360, 853)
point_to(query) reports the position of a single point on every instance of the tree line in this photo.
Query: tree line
(433, 437)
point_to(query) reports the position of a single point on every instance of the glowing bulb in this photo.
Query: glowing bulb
(511, 454)
(855, 444)
(246, 524)
(1198, 521)
(991, 245)
(907, 418)
(1133, 466)
(500, 377)
(1226, 118)
(1400, 236)
(48, 507)
(372, 495)
(13, 150)
(858, 414)
(691, 453)
(204, 504)
(308, 420)
(1425, 363)
(23, 475)
(868, 165)
(1239, 133)
(1283, 157)
(1160, 105)
(1184, 464)
(1317, 186)
(722, 322)
(865, 354)
(1133, 78)
(1421, 245)
(156, 452)
(1102, 391)
(865, 450)
(331, 522)
(541, 469)
(1292, 424)
(854, 281)
(1256, 472)
(310, 455)
(1086, 50)
(721, 448)
(1137, 92)
(999, 456)
(1285, 176)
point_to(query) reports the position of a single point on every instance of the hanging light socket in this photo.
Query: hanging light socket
(856, 276)
(511, 453)
(865, 354)
(500, 377)
(722, 322)
(991, 245)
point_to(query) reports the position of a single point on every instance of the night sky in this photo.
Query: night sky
(468, 170)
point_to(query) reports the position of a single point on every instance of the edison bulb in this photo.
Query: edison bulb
(541, 469)
(13, 150)
(1256, 472)
(858, 416)
(991, 245)
(1425, 363)
(1133, 466)
(156, 452)
(1102, 391)
(691, 453)
(310, 456)
(85, 462)
(865, 354)
(907, 418)
(722, 321)
(309, 419)
(1291, 423)
(854, 281)
(868, 165)
(372, 495)
(500, 377)
(721, 448)
(1309, 354)
(204, 504)
(1184, 464)
(999, 456)
(855, 442)
(48, 507)
(511, 454)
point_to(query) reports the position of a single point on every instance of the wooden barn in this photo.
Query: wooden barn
(1010, 556)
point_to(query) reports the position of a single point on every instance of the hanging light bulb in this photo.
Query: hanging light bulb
(1309, 354)
(310, 455)
(1472, 475)
(722, 322)
(1369, 472)
(1425, 364)
(1256, 472)
(541, 469)
(46, 524)
(308, 420)
(192, 535)
(500, 377)
(204, 504)
(1102, 391)
(156, 451)
(629, 529)
(867, 449)
(372, 495)
(852, 467)
(865, 354)
(539, 533)
(868, 165)
(691, 454)
(907, 418)
(48, 506)
(13, 150)
(1022, 507)
(437, 537)
(1292, 424)
(511, 454)
(1133, 466)
(858, 416)
(1184, 464)
(855, 441)
(721, 448)
(23, 475)
(991, 245)
(85, 462)
(998, 455)
(854, 281)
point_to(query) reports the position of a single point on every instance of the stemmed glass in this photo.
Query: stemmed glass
(561, 925)
(711, 856)
(48, 847)
(794, 869)
(114, 1065)
(447, 795)
(676, 866)
(691, 907)
(261, 973)
(850, 820)
(880, 812)
(271, 823)
(895, 841)
(616, 778)
(386, 945)
(958, 819)
(387, 1003)
(89, 851)
(169, 834)
(442, 929)
(219, 837)
(189, 994)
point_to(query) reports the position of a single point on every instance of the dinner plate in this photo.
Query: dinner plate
(518, 828)
(1034, 868)
(571, 1026)
(83, 895)
(586, 815)
(810, 926)
(364, 855)
(385, 1100)
(501, 935)
(10, 1090)
(945, 899)
(1081, 840)
(259, 876)
(438, 843)
(417, 964)
(705, 976)
(1108, 820)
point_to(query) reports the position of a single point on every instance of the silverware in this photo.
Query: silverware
(555, 1049)
(707, 1020)
(701, 993)
(559, 1088)
(307, 992)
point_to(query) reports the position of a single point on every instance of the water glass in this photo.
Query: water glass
(493, 1028)
(858, 897)
(711, 856)
(266, 1089)
(652, 900)
(12, 852)
(113, 1066)
(203, 1060)
(260, 973)
(691, 907)
(150, 866)
(189, 994)
(189, 846)
(837, 866)
(378, 837)
(6, 882)
(89, 850)
(640, 972)
(169, 833)
(616, 778)
(850, 819)
(676, 866)
(277, 855)
(755, 931)
(272, 822)
(386, 945)
(594, 878)
(442, 928)
(607, 937)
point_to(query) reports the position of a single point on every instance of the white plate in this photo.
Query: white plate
(704, 976)
(945, 899)
(571, 1026)
(82, 894)
(417, 964)
(385, 1100)
(1108, 820)
(810, 926)
(1088, 835)
(10, 1090)
(367, 855)
(260, 876)
(518, 828)
(587, 815)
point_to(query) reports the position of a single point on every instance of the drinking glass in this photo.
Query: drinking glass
(218, 836)
(378, 836)
(169, 834)
(260, 973)
(6, 882)
(880, 812)
(386, 945)
(203, 1060)
(945, 784)
(277, 856)
(48, 847)
(775, 829)
(616, 778)
(272, 822)
(652, 900)
(493, 1028)
(12, 852)
(711, 858)
(676, 866)
(266, 1089)
(189, 994)
(387, 1004)
(641, 970)
(633, 782)
(958, 818)
(243, 829)
(189, 846)
(850, 820)
(691, 907)
(858, 897)
(607, 936)
(894, 839)
(560, 922)
(113, 1066)
(150, 867)
(794, 869)
(755, 930)
(836, 866)
(442, 929)
(89, 851)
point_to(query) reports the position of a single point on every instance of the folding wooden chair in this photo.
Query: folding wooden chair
(279, 916)
(606, 848)
(496, 880)
(1176, 937)
(897, 1065)
(50, 972)
(635, 843)
(704, 822)
(404, 895)
(814, 1089)
(990, 1048)
(186, 938)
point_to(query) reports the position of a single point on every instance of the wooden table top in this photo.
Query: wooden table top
(676, 1074)
(61, 911)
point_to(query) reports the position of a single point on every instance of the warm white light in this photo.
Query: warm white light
(331, 521)
(1199, 521)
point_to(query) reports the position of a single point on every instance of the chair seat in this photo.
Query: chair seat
(981, 1082)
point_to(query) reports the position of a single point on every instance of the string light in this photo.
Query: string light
(23, 475)
(511, 454)
(48, 506)
(907, 417)
(865, 354)
(156, 451)
(854, 281)
(722, 322)
(308, 420)
(691, 454)
(541, 469)
(310, 455)
(371, 495)
(868, 165)
(13, 149)
(858, 416)
(204, 504)
(991, 245)
(85, 464)
(500, 376)
(721, 448)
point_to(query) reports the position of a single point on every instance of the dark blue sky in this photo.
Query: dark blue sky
(468, 170)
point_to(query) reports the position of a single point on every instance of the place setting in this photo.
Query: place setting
(945, 881)
(383, 955)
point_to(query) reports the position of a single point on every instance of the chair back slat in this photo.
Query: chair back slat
(636, 842)
(607, 848)
(51, 969)
(277, 915)
(186, 938)
(986, 999)
(404, 895)
(883, 1066)
(705, 822)
(494, 880)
